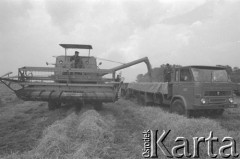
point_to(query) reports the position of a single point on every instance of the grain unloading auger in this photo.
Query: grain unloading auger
(69, 82)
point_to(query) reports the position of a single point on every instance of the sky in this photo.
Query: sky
(183, 32)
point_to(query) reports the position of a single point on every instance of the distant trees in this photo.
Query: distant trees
(235, 76)
(233, 72)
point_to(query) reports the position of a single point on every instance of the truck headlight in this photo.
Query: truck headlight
(230, 100)
(203, 101)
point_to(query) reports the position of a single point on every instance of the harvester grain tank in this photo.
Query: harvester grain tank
(67, 82)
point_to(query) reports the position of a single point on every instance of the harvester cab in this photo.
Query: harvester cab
(68, 61)
(75, 65)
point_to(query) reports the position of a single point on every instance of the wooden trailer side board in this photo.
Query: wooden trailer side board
(153, 87)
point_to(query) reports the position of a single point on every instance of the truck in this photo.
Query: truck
(191, 90)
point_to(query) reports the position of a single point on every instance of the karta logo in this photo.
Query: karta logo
(154, 144)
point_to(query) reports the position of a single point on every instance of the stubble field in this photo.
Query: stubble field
(29, 130)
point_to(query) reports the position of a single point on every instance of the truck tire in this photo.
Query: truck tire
(220, 112)
(216, 113)
(140, 99)
(178, 107)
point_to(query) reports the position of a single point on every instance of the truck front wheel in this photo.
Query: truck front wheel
(178, 107)
(220, 112)
(215, 113)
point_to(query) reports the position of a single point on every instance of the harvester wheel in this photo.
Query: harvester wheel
(178, 107)
(58, 105)
(52, 105)
(98, 106)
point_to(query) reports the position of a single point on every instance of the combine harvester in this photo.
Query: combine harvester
(67, 82)
(190, 91)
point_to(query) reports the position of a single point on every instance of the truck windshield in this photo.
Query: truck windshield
(208, 75)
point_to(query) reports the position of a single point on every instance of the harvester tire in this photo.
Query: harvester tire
(178, 107)
(98, 106)
(52, 105)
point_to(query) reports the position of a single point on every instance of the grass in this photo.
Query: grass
(7, 96)
(92, 134)
(22, 123)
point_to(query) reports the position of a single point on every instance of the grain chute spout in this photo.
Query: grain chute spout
(145, 60)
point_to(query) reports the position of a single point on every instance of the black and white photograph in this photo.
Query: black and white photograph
(119, 79)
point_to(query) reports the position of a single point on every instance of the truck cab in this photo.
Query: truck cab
(201, 88)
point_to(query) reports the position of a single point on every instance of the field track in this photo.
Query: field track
(29, 130)
(22, 131)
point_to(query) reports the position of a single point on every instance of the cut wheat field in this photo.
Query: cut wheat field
(29, 130)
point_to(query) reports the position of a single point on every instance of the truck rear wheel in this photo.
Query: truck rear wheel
(178, 107)
(140, 99)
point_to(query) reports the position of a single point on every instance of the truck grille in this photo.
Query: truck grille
(217, 93)
(217, 100)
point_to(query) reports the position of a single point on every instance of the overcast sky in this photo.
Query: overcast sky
(184, 32)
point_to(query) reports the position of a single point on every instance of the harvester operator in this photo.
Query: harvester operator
(77, 60)
(167, 73)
